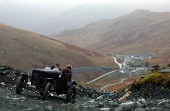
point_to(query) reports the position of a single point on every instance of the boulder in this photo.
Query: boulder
(49, 108)
(120, 108)
(104, 109)
(2, 84)
(126, 95)
(100, 98)
(127, 105)
(139, 109)
(147, 109)
(143, 101)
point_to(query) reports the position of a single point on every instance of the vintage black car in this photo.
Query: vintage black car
(46, 81)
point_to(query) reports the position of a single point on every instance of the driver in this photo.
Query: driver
(67, 73)
(57, 67)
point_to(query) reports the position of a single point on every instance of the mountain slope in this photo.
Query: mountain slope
(25, 50)
(84, 14)
(77, 18)
(139, 31)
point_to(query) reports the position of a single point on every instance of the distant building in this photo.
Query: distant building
(135, 64)
(136, 58)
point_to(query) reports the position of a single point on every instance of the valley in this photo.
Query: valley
(138, 32)
(130, 66)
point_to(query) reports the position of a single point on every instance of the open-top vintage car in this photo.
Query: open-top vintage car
(46, 81)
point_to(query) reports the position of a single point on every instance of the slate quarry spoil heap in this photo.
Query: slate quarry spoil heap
(8, 76)
(150, 93)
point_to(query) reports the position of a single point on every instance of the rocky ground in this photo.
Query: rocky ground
(31, 101)
(156, 98)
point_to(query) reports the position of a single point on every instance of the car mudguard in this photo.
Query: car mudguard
(25, 75)
(72, 82)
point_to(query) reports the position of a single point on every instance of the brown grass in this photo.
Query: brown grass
(117, 86)
(98, 84)
(25, 50)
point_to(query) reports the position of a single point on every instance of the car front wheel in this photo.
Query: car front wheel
(71, 94)
(46, 91)
(19, 85)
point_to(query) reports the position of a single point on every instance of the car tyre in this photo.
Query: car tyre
(71, 94)
(46, 91)
(19, 85)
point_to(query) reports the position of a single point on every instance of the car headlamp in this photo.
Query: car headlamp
(59, 76)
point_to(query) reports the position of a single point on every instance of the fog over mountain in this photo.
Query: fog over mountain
(49, 19)
(81, 15)
(28, 15)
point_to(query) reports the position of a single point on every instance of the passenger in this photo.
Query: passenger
(57, 67)
(67, 73)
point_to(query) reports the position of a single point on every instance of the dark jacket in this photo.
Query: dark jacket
(66, 73)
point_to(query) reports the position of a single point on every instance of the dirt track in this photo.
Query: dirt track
(31, 101)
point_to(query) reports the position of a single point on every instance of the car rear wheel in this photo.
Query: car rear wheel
(19, 85)
(46, 91)
(71, 94)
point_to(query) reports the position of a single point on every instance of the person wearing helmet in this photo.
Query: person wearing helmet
(67, 73)
(57, 67)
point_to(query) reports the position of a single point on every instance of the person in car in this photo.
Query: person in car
(67, 73)
(57, 67)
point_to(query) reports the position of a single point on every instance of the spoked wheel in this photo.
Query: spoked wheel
(19, 85)
(71, 94)
(46, 91)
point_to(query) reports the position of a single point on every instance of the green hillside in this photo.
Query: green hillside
(25, 50)
(139, 31)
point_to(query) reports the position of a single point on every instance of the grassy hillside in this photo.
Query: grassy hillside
(25, 50)
(139, 31)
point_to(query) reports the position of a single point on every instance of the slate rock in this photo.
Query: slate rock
(147, 109)
(104, 109)
(140, 105)
(167, 106)
(143, 101)
(115, 104)
(163, 103)
(2, 84)
(158, 109)
(139, 109)
(101, 105)
(149, 104)
(49, 108)
(32, 109)
(7, 97)
(120, 108)
(100, 98)
(125, 105)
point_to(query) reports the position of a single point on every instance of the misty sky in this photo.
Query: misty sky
(31, 13)
(77, 2)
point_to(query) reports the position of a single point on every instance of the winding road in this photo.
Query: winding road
(122, 80)
(120, 65)
(101, 76)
